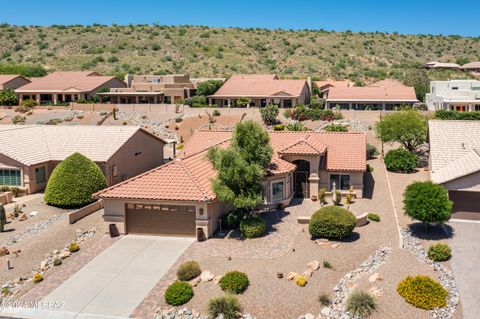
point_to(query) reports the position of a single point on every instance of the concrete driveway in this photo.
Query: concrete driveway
(465, 265)
(114, 283)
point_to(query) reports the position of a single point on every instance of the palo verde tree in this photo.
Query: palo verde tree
(208, 87)
(408, 127)
(8, 97)
(242, 166)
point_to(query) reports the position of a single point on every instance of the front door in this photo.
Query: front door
(301, 186)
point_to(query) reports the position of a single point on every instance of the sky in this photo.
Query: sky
(407, 16)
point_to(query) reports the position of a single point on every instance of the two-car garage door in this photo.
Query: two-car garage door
(168, 220)
(466, 205)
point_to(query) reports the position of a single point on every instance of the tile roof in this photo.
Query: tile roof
(373, 93)
(5, 78)
(326, 84)
(454, 149)
(189, 176)
(33, 144)
(259, 85)
(387, 83)
(81, 81)
(471, 65)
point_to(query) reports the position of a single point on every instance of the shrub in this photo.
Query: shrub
(28, 103)
(279, 127)
(322, 195)
(73, 247)
(178, 119)
(400, 160)
(269, 114)
(73, 182)
(188, 270)
(439, 252)
(253, 227)
(456, 115)
(336, 128)
(372, 151)
(234, 282)
(8, 97)
(198, 99)
(296, 126)
(232, 219)
(301, 281)
(327, 264)
(332, 222)
(349, 199)
(423, 292)
(360, 304)
(373, 217)
(227, 305)
(427, 202)
(37, 278)
(324, 299)
(216, 112)
(57, 261)
(178, 293)
(18, 119)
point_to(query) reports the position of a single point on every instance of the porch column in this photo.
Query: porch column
(313, 180)
(55, 98)
(137, 100)
(228, 102)
(383, 106)
(37, 98)
(209, 101)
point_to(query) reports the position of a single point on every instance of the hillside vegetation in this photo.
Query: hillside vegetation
(220, 52)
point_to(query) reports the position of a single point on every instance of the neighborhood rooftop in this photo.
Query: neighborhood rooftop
(373, 93)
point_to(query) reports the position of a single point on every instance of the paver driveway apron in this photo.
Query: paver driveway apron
(118, 279)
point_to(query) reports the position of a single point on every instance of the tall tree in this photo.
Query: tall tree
(208, 87)
(419, 79)
(253, 143)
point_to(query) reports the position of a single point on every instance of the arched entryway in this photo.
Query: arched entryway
(301, 186)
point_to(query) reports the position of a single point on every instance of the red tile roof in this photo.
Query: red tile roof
(326, 84)
(189, 177)
(5, 78)
(373, 93)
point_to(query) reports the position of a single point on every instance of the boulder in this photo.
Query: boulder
(313, 265)
(44, 265)
(194, 282)
(375, 292)
(22, 217)
(4, 251)
(65, 254)
(307, 273)
(325, 311)
(336, 245)
(309, 316)
(375, 277)
(292, 275)
(216, 279)
(362, 220)
(206, 276)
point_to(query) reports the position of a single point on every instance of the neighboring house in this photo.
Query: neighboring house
(387, 83)
(371, 97)
(455, 95)
(261, 89)
(472, 67)
(455, 163)
(29, 153)
(64, 87)
(12, 81)
(441, 65)
(152, 89)
(324, 86)
(177, 198)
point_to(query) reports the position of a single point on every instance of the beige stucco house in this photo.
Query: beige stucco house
(29, 153)
(152, 89)
(64, 87)
(12, 81)
(261, 89)
(177, 198)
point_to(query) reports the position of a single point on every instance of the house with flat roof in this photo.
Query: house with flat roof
(370, 97)
(64, 87)
(29, 153)
(12, 81)
(454, 95)
(177, 198)
(261, 89)
(455, 163)
(152, 89)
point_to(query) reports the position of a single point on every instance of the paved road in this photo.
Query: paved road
(465, 265)
(117, 280)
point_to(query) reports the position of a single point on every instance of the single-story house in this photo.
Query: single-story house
(471, 67)
(29, 153)
(261, 89)
(370, 97)
(177, 198)
(63, 87)
(455, 163)
(12, 81)
(152, 89)
(325, 85)
(441, 65)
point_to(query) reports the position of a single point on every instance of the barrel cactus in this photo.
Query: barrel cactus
(3, 217)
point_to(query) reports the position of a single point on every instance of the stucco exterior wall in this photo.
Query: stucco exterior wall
(356, 180)
(469, 183)
(113, 83)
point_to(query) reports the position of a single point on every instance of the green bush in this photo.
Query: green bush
(360, 304)
(324, 299)
(269, 114)
(73, 182)
(178, 293)
(234, 282)
(216, 112)
(253, 227)
(427, 202)
(332, 222)
(372, 151)
(373, 217)
(73, 248)
(439, 252)
(423, 292)
(456, 115)
(188, 270)
(302, 113)
(232, 219)
(227, 305)
(19, 119)
(336, 128)
(198, 99)
(279, 127)
(400, 160)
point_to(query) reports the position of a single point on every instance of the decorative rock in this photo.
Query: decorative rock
(44, 265)
(292, 275)
(309, 316)
(216, 279)
(4, 251)
(325, 311)
(194, 282)
(22, 217)
(321, 241)
(307, 273)
(375, 277)
(336, 245)
(65, 254)
(279, 275)
(206, 276)
(313, 265)
(375, 292)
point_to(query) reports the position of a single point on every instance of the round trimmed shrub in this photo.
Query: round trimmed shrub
(37, 278)
(227, 305)
(332, 222)
(73, 247)
(253, 227)
(360, 304)
(188, 270)
(279, 127)
(234, 282)
(423, 292)
(301, 281)
(178, 293)
(232, 219)
(439, 252)
(401, 160)
(73, 182)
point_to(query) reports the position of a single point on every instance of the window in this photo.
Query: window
(342, 182)
(278, 190)
(10, 177)
(455, 88)
(40, 177)
(287, 103)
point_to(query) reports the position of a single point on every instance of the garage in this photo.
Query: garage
(167, 220)
(466, 205)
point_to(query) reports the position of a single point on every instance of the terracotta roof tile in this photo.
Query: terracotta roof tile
(373, 93)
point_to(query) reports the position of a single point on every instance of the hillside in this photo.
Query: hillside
(203, 51)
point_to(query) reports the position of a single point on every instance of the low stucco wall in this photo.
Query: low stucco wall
(6, 198)
(84, 211)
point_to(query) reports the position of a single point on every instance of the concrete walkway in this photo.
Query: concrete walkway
(114, 283)
(465, 260)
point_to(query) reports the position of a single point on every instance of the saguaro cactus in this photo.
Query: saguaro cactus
(3, 217)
